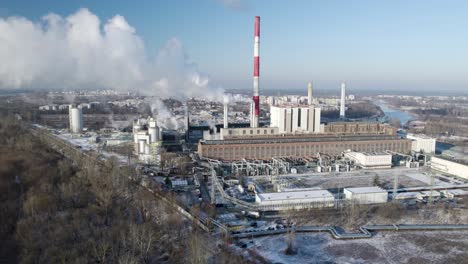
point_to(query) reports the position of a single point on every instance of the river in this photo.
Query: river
(393, 113)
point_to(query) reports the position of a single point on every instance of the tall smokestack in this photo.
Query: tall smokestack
(256, 95)
(226, 101)
(309, 93)
(342, 103)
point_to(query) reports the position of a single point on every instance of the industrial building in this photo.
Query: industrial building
(449, 166)
(266, 143)
(75, 115)
(366, 195)
(294, 200)
(370, 160)
(147, 141)
(296, 131)
(267, 147)
(357, 128)
(422, 143)
(295, 118)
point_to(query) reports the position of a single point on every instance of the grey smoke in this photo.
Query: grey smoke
(78, 51)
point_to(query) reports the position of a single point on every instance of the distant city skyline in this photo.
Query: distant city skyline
(373, 45)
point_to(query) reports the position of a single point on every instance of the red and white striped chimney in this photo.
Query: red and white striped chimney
(256, 95)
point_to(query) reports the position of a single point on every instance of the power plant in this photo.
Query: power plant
(251, 169)
(296, 130)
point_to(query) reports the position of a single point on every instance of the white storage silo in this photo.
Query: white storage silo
(76, 119)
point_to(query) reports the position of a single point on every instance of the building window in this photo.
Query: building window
(251, 132)
(272, 131)
(243, 132)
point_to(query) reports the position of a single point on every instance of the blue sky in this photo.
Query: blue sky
(372, 44)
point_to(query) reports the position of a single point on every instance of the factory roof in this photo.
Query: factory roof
(179, 183)
(375, 153)
(293, 105)
(371, 189)
(300, 195)
(301, 189)
(285, 138)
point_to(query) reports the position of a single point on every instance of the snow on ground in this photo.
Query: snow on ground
(384, 247)
(88, 144)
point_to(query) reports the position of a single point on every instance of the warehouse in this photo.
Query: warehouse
(366, 195)
(294, 200)
(457, 168)
(370, 160)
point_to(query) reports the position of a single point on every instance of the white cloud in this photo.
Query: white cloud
(79, 51)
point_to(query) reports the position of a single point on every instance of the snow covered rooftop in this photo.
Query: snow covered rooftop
(299, 195)
(300, 189)
(371, 189)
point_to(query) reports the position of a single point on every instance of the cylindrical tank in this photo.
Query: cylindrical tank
(136, 129)
(76, 119)
(153, 130)
(154, 134)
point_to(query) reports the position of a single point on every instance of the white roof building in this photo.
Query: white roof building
(422, 143)
(370, 159)
(295, 200)
(366, 195)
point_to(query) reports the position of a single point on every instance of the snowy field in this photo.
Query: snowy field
(384, 247)
(88, 144)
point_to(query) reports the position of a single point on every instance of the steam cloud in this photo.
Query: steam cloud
(78, 52)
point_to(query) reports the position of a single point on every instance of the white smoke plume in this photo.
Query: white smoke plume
(80, 52)
(165, 118)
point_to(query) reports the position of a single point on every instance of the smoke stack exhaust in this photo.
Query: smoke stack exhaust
(256, 84)
(309, 93)
(226, 112)
(342, 103)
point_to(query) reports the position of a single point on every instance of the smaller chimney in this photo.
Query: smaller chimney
(226, 102)
(342, 102)
(309, 93)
